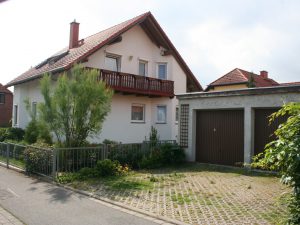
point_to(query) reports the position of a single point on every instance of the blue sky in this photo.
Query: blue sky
(212, 36)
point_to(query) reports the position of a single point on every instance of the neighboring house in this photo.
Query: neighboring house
(231, 126)
(238, 79)
(138, 61)
(6, 103)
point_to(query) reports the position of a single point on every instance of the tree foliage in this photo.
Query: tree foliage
(283, 154)
(75, 107)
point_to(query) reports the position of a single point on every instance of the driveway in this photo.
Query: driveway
(35, 202)
(198, 194)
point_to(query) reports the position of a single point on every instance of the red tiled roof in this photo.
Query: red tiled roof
(239, 76)
(92, 44)
(4, 89)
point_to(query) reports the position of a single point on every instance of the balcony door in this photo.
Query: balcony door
(113, 63)
(143, 68)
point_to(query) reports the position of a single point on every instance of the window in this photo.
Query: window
(2, 98)
(162, 71)
(33, 109)
(113, 63)
(161, 114)
(15, 114)
(143, 67)
(177, 114)
(138, 113)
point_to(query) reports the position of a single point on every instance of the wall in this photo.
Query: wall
(229, 87)
(135, 45)
(246, 102)
(6, 110)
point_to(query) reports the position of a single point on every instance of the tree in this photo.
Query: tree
(283, 154)
(76, 106)
(251, 82)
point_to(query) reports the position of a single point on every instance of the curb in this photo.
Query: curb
(114, 204)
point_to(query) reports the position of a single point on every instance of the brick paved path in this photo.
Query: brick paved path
(204, 197)
(7, 219)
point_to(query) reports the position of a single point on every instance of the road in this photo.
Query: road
(40, 203)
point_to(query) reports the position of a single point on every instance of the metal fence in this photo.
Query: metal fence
(51, 161)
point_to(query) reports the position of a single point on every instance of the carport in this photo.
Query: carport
(229, 127)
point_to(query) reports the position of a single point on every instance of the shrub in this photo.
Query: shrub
(67, 178)
(108, 167)
(31, 132)
(165, 155)
(172, 154)
(37, 157)
(87, 172)
(11, 133)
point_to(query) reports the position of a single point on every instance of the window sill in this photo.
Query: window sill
(161, 122)
(138, 122)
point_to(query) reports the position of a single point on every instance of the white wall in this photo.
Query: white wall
(135, 46)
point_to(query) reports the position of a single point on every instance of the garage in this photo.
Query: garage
(220, 136)
(264, 131)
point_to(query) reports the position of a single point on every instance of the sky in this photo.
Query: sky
(213, 37)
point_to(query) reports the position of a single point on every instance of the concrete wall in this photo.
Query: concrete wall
(246, 102)
(135, 46)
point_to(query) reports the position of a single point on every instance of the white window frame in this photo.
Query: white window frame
(16, 112)
(157, 116)
(118, 60)
(138, 105)
(146, 67)
(157, 70)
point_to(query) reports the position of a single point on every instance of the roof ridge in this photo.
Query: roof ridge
(134, 18)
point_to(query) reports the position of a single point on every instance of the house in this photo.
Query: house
(231, 126)
(6, 100)
(238, 79)
(138, 61)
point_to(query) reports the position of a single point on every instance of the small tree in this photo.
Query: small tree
(251, 82)
(76, 107)
(283, 154)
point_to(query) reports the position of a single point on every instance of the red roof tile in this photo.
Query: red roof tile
(239, 76)
(4, 89)
(92, 44)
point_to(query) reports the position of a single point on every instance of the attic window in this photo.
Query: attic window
(52, 59)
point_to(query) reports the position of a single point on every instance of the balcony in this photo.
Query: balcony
(139, 85)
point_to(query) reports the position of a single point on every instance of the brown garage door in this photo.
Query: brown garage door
(220, 136)
(263, 131)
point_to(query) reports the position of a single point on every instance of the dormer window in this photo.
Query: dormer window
(113, 62)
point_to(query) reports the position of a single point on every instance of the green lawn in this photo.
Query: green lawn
(14, 162)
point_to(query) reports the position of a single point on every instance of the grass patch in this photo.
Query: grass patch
(180, 199)
(127, 183)
(13, 162)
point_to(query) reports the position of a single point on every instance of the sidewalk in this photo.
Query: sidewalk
(7, 219)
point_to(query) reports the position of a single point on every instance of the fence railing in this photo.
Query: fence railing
(50, 162)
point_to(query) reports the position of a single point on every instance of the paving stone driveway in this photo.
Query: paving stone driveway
(203, 196)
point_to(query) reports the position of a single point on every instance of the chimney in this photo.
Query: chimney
(264, 74)
(74, 34)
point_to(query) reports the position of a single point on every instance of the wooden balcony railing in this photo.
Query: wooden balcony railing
(135, 84)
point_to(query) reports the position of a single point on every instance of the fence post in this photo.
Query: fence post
(54, 164)
(7, 155)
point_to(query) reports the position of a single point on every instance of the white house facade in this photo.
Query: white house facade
(138, 61)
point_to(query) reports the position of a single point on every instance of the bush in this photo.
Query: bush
(31, 132)
(165, 155)
(129, 155)
(108, 167)
(87, 172)
(37, 157)
(11, 133)
(35, 131)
